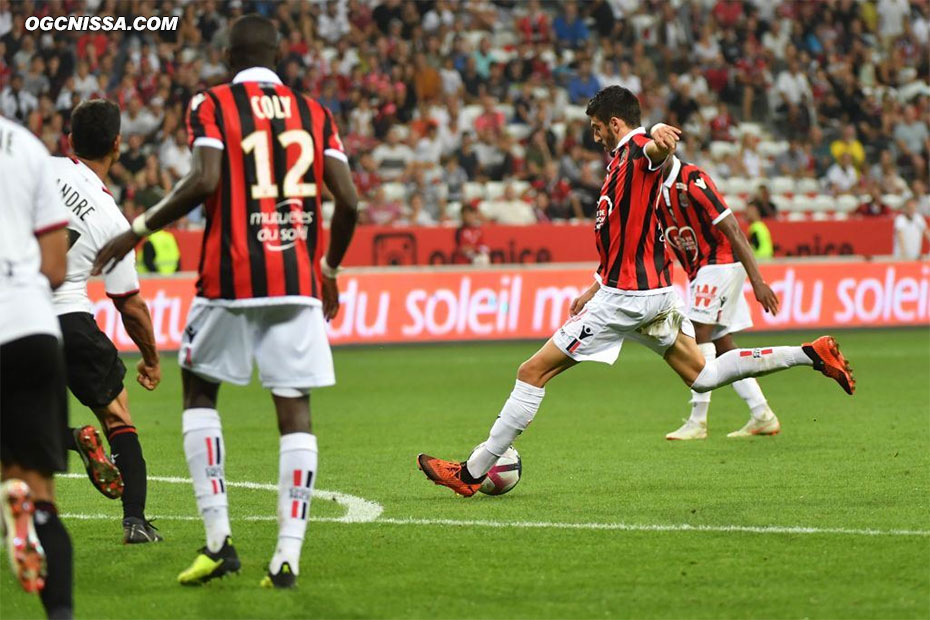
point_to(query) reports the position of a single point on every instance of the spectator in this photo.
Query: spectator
(333, 23)
(454, 178)
(470, 248)
(35, 81)
(750, 159)
(628, 80)
(467, 156)
(583, 85)
(910, 230)
(416, 214)
(451, 79)
(569, 27)
(910, 133)
(850, 144)
(534, 25)
(922, 196)
(393, 157)
(429, 148)
(795, 94)
(15, 102)
(509, 209)
(131, 161)
(381, 211)
(174, 155)
(491, 119)
(758, 234)
(138, 119)
(794, 161)
(559, 194)
(160, 254)
(763, 203)
(873, 206)
(842, 176)
(366, 177)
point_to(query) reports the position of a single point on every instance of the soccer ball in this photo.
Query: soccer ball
(504, 475)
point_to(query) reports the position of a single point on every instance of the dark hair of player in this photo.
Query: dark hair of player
(95, 126)
(615, 101)
(253, 42)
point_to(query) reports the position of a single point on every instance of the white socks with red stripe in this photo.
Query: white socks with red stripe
(700, 401)
(297, 475)
(741, 363)
(206, 457)
(516, 415)
(749, 391)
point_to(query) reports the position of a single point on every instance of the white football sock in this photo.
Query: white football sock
(296, 477)
(749, 391)
(741, 363)
(206, 456)
(515, 416)
(700, 401)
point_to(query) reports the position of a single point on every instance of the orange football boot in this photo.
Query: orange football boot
(27, 558)
(446, 473)
(103, 474)
(825, 352)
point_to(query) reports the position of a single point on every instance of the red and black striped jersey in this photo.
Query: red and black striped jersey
(629, 239)
(689, 209)
(263, 223)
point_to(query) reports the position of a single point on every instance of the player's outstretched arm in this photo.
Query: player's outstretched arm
(138, 324)
(338, 179)
(664, 142)
(741, 248)
(189, 192)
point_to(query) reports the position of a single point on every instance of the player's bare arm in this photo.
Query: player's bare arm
(582, 300)
(53, 246)
(763, 292)
(138, 324)
(664, 142)
(338, 179)
(189, 192)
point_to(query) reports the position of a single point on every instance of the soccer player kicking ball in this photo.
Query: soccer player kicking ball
(261, 154)
(711, 248)
(33, 400)
(632, 298)
(95, 371)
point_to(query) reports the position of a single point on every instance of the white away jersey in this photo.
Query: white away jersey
(29, 207)
(93, 219)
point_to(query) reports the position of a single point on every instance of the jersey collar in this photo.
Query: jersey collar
(673, 173)
(626, 138)
(257, 74)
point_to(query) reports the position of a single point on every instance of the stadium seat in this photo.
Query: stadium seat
(740, 185)
(559, 130)
(506, 109)
(895, 201)
(708, 112)
(797, 216)
(473, 191)
(395, 192)
(772, 148)
(454, 211)
(821, 216)
(846, 203)
(751, 128)
(807, 186)
(494, 189)
(723, 185)
(469, 114)
(575, 113)
(520, 187)
(519, 131)
(781, 185)
(736, 203)
(782, 202)
(720, 149)
(823, 203)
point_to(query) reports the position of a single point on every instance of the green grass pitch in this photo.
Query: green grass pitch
(595, 454)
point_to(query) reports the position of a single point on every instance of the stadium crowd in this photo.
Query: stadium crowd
(445, 102)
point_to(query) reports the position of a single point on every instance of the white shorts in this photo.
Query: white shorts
(717, 299)
(612, 316)
(287, 341)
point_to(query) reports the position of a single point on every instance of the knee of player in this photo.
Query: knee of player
(530, 372)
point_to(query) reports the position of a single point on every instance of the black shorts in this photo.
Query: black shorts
(95, 371)
(33, 404)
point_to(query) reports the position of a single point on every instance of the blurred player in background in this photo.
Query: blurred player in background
(261, 155)
(632, 298)
(33, 400)
(705, 237)
(95, 371)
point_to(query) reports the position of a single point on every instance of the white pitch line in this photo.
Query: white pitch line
(360, 510)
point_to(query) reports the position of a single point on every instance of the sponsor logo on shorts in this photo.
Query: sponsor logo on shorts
(704, 295)
(586, 332)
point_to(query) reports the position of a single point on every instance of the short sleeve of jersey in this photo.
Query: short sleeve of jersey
(332, 143)
(704, 194)
(202, 126)
(123, 281)
(49, 212)
(641, 140)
